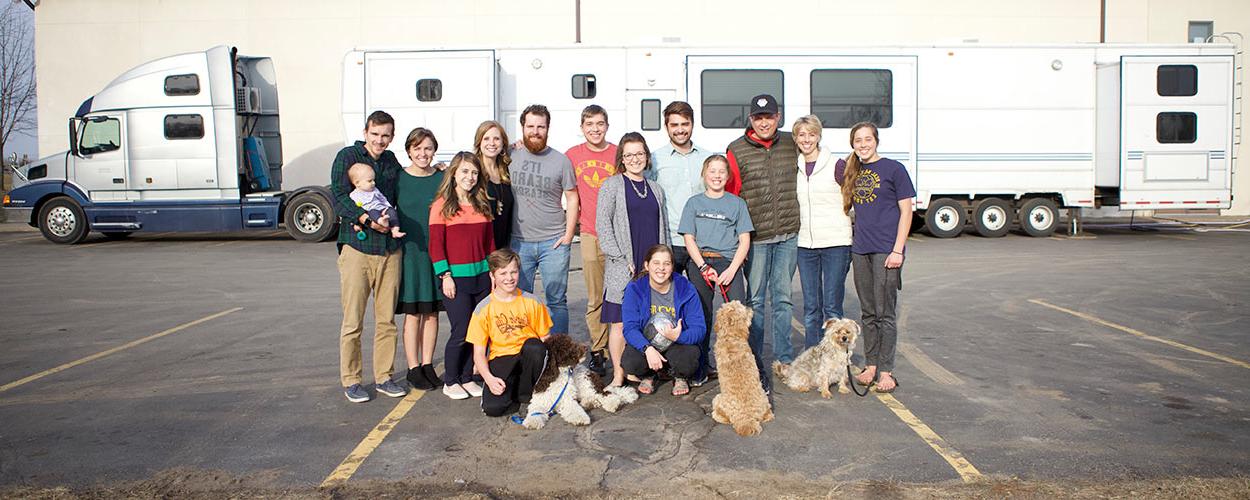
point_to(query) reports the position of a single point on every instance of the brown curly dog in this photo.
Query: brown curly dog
(741, 402)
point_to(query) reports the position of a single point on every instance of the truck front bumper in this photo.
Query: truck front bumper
(18, 214)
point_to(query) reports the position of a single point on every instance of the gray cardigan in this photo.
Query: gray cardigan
(612, 224)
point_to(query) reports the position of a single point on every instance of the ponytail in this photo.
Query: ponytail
(853, 166)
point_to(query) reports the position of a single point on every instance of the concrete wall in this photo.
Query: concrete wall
(82, 44)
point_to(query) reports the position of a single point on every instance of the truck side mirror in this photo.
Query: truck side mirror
(73, 137)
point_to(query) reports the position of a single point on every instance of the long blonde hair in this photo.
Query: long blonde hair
(853, 166)
(503, 160)
(477, 194)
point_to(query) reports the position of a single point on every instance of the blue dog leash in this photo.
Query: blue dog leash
(516, 419)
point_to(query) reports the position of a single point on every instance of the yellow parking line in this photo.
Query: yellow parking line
(965, 469)
(371, 441)
(114, 350)
(927, 365)
(1146, 336)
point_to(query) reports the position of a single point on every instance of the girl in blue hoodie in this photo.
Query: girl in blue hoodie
(663, 323)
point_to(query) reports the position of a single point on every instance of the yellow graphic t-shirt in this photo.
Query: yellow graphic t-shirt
(505, 326)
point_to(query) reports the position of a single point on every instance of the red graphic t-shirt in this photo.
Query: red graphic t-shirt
(591, 169)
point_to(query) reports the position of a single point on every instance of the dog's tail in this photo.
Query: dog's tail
(781, 370)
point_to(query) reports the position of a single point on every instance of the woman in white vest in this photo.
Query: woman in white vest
(824, 231)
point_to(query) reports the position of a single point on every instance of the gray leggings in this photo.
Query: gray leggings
(877, 288)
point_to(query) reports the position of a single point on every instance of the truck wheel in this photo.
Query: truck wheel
(992, 217)
(63, 221)
(309, 217)
(1039, 217)
(945, 218)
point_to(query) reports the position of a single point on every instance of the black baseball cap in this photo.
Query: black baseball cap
(763, 104)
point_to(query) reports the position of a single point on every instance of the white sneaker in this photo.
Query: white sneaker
(455, 392)
(472, 388)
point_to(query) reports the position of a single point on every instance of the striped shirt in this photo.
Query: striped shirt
(460, 243)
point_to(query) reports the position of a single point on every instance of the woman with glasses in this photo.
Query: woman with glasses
(630, 219)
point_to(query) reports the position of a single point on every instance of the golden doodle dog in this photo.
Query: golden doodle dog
(741, 402)
(823, 364)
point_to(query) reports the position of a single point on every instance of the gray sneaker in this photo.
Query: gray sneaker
(390, 388)
(454, 391)
(356, 393)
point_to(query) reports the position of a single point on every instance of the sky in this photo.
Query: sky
(22, 144)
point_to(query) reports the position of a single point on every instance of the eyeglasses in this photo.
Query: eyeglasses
(634, 156)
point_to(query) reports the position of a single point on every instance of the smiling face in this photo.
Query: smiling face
(466, 177)
(378, 138)
(535, 130)
(505, 278)
(807, 140)
(765, 125)
(659, 267)
(716, 175)
(634, 156)
(422, 153)
(492, 143)
(594, 129)
(678, 128)
(864, 141)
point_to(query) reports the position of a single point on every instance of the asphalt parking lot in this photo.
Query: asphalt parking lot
(1122, 354)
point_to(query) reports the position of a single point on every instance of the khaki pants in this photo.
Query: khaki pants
(592, 271)
(360, 275)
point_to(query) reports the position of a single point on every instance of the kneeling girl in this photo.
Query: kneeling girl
(663, 323)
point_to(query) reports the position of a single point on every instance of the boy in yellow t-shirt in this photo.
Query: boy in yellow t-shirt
(512, 325)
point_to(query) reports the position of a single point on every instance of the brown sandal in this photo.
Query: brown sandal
(681, 387)
(647, 385)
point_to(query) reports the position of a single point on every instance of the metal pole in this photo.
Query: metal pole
(1102, 21)
(577, 13)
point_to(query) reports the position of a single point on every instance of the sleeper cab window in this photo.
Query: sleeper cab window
(1177, 80)
(1176, 128)
(726, 94)
(182, 85)
(843, 97)
(585, 87)
(184, 127)
(429, 90)
(650, 114)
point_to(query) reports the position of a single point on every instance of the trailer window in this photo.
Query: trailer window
(100, 135)
(429, 90)
(726, 94)
(1177, 80)
(844, 97)
(184, 127)
(651, 114)
(585, 86)
(1176, 128)
(180, 85)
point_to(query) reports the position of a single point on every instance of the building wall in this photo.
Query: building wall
(82, 44)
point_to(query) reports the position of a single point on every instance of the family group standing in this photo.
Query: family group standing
(665, 236)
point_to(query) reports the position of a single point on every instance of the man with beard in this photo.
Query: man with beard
(541, 230)
(593, 162)
(762, 167)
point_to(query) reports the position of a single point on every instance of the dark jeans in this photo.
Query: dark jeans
(822, 273)
(737, 291)
(681, 258)
(877, 288)
(458, 354)
(519, 373)
(683, 360)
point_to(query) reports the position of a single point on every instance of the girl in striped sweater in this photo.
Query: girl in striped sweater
(460, 239)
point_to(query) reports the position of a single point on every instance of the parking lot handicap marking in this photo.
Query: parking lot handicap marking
(1146, 336)
(371, 441)
(952, 456)
(115, 350)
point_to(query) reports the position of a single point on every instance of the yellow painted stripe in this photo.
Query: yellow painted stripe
(348, 467)
(1143, 335)
(927, 365)
(115, 350)
(956, 460)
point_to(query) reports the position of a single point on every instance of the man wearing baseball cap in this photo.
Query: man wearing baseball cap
(762, 171)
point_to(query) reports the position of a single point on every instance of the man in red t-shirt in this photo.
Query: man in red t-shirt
(593, 162)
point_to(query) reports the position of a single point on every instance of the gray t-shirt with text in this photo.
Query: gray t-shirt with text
(538, 184)
(716, 223)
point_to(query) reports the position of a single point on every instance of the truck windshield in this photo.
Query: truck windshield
(99, 136)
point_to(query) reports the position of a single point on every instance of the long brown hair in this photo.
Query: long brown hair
(477, 194)
(660, 248)
(504, 159)
(853, 166)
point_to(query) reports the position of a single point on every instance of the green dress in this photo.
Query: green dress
(418, 289)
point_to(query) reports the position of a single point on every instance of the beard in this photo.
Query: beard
(535, 144)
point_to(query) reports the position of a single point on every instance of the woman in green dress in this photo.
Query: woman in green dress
(420, 299)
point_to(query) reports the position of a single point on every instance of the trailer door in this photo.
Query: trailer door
(1176, 133)
(449, 92)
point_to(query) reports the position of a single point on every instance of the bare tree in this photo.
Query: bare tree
(17, 72)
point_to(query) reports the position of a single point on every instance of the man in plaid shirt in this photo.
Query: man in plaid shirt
(369, 262)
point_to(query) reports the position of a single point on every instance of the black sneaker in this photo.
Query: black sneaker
(416, 379)
(595, 364)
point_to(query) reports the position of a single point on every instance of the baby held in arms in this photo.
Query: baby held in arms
(373, 201)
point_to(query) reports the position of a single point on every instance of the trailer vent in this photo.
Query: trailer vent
(247, 100)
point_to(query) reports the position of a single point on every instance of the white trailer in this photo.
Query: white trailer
(991, 134)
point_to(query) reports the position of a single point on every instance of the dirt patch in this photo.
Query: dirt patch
(202, 485)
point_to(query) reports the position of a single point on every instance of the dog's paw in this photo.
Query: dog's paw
(747, 428)
(843, 389)
(824, 393)
(534, 422)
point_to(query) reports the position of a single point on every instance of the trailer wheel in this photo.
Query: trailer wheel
(992, 217)
(62, 221)
(1039, 217)
(309, 217)
(945, 218)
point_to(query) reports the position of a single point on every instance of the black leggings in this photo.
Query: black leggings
(683, 360)
(519, 373)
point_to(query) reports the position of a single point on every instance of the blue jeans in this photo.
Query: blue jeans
(554, 265)
(770, 269)
(822, 272)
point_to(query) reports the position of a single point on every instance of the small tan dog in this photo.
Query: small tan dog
(823, 364)
(741, 402)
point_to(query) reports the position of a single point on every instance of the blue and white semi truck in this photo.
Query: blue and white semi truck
(184, 143)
